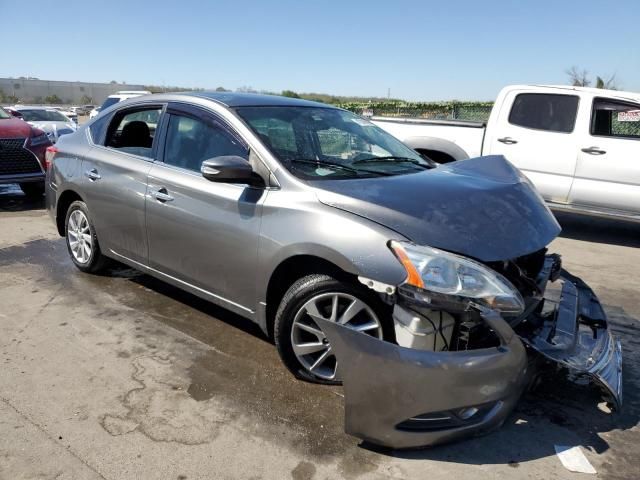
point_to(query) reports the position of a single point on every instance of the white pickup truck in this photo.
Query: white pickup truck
(579, 146)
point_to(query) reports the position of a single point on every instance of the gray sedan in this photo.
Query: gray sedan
(426, 289)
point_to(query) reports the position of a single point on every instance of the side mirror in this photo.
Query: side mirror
(228, 169)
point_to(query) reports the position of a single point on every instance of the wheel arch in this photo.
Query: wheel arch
(440, 146)
(62, 205)
(291, 269)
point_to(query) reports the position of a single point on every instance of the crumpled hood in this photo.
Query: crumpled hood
(482, 208)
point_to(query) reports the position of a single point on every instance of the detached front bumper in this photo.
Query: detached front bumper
(400, 397)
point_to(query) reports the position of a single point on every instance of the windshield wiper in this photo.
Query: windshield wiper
(385, 159)
(335, 166)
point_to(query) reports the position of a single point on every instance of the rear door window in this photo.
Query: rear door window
(133, 131)
(615, 119)
(542, 111)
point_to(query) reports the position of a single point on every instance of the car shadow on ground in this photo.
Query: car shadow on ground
(13, 200)
(599, 230)
(167, 291)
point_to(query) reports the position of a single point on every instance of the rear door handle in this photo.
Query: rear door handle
(594, 151)
(507, 140)
(162, 195)
(92, 175)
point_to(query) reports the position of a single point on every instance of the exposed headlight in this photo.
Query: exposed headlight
(39, 140)
(449, 274)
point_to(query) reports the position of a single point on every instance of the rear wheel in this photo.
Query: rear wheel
(302, 344)
(32, 189)
(82, 241)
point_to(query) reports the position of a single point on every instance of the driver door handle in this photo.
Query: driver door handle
(92, 175)
(594, 151)
(507, 140)
(162, 195)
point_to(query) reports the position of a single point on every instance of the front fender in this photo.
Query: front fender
(298, 224)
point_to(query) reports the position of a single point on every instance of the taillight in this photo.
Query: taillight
(48, 156)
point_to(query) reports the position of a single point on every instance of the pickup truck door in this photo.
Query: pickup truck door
(202, 235)
(607, 174)
(536, 132)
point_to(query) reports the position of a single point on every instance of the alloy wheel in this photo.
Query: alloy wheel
(79, 236)
(311, 346)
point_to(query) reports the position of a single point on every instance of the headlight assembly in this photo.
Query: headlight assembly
(449, 274)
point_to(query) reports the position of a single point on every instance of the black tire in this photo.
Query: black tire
(96, 261)
(298, 295)
(32, 189)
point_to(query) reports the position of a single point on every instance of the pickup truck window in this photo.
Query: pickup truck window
(615, 119)
(542, 111)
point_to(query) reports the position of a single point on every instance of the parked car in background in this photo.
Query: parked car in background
(22, 154)
(579, 146)
(427, 289)
(53, 122)
(13, 112)
(117, 97)
(67, 112)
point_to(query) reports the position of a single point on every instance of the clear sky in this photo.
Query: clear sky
(421, 50)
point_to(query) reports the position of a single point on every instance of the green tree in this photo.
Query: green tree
(86, 99)
(53, 99)
(221, 89)
(290, 94)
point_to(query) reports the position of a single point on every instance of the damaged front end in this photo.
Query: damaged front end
(461, 361)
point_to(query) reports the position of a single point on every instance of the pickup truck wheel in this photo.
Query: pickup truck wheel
(302, 345)
(82, 241)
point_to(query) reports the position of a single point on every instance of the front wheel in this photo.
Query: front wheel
(82, 241)
(302, 344)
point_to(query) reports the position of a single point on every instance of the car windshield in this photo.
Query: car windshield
(327, 143)
(4, 114)
(41, 115)
(108, 102)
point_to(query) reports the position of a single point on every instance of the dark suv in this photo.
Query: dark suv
(22, 154)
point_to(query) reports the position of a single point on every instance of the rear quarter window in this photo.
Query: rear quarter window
(97, 130)
(542, 111)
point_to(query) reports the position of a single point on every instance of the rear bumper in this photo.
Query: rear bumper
(400, 397)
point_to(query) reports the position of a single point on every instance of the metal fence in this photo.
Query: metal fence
(471, 111)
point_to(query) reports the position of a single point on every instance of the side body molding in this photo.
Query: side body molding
(400, 397)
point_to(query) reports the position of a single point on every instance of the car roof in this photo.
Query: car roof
(34, 107)
(236, 99)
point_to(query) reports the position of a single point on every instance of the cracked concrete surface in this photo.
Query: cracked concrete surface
(121, 376)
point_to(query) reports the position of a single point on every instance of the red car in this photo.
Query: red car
(22, 154)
